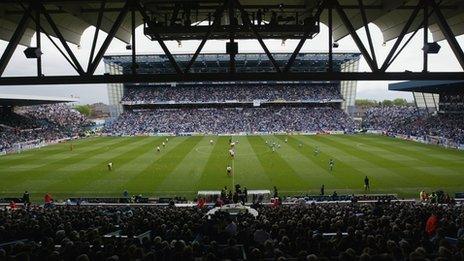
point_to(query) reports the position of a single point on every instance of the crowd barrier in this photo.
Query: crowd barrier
(183, 202)
(81, 200)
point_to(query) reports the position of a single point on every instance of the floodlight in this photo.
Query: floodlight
(32, 53)
(432, 48)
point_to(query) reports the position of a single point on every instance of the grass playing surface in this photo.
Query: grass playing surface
(189, 164)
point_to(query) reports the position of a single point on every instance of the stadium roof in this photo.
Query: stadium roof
(427, 86)
(245, 62)
(73, 17)
(8, 100)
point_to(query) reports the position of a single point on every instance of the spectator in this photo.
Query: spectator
(39, 124)
(26, 198)
(415, 122)
(48, 200)
(231, 120)
(393, 231)
(221, 93)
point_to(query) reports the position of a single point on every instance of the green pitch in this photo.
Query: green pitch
(189, 164)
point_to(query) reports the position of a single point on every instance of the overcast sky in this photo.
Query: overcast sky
(55, 64)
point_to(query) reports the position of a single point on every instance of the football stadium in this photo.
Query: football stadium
(222, 152)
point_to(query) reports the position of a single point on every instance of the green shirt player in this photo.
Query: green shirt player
(316, 151)
(331, 165)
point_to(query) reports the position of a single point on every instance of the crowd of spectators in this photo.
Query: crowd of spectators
(377, 231)
(11, 138)
(59, 114)
(415, 122)
(37, 124)
(453, 101)
(231, 120)
(222, 93)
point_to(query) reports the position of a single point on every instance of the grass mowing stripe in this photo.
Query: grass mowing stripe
(152, 176)
(278, 170)
(318, 167)
(88, 178)
(42, 159)
(426, 158)
(396, 167)
(189, 171)
(144, 162)
(146, 158)
(348, 175)
(35, 154)
(58, 171)
(52, 165)
(379, 170)
(214, 174)
(248, 170)
(411, 145)
(301, 161)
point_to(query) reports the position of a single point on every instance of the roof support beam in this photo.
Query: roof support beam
(406, 27)
(38, 40)
(298, 48)
(368, 32)
(225, 77)
(168, 54)
(216, 23)
(62, 40)
(233, 27)
(109, 38)
(15, 38)
(349, 26)
(410, 38)
(133, 43)
(247, 22)
(97, 30)
(425, 23)
(39, 28)
(330, 18)
(447, 32)
(166, 51)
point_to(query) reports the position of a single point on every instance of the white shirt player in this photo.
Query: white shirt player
(164, 144)
(232, 153)
(158, 148)
(211, 142)
(110, 166)
(167, 140)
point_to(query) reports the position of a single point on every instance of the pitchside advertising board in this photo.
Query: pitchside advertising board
(432, 140)
(34, 144)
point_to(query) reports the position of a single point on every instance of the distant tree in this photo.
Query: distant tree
(366, 103)
(400, 102)
(387, 103)
(84, 109)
